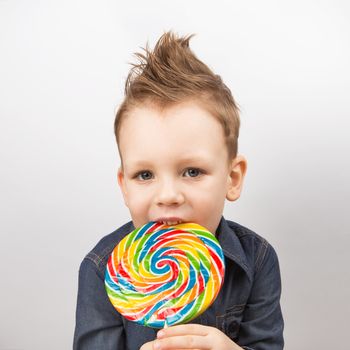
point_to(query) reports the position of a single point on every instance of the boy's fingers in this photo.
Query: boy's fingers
(186, 329)
(182, 342)
(147, 346)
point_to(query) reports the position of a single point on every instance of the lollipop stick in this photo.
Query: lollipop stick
(166, 323)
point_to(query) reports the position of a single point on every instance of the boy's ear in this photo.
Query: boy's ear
(121, 184)
(235, 178)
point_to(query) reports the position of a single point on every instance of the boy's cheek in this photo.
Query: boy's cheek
(138, 201)
(139, 210)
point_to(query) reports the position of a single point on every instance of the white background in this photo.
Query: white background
(62, 69)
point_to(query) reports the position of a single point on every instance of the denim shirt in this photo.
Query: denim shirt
(247, 308)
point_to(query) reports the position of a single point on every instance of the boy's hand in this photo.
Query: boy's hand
(191, 336)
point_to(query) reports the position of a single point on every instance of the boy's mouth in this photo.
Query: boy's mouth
(171, 221)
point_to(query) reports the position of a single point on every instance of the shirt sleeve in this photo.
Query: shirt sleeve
(262, 324)
(98, 324)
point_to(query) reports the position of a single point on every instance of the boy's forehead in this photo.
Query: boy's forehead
(175, 118)
(187, 126)
(184, 132)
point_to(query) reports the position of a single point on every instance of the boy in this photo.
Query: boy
(177, 132)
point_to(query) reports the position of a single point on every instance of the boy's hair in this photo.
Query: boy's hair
(171, 74)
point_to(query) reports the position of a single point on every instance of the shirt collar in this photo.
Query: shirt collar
(232, 246)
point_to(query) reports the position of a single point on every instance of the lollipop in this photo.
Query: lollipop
(165, 275)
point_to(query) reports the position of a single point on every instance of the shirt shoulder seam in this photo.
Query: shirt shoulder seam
(242, 231)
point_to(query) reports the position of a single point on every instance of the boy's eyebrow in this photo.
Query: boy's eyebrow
(137, 164)
(187, 159)
(194, 159)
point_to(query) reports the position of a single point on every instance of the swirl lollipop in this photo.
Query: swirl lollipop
(162, 275)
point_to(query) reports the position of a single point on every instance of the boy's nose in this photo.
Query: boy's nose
(169, 194)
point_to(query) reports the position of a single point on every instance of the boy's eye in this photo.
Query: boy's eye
(192, 172)
(144, 175)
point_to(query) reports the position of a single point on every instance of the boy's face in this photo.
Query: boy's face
(176, 166)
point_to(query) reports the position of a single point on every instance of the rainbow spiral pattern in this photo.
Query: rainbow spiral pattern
(162, 275)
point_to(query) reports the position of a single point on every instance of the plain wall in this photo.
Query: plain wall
(62, 69)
